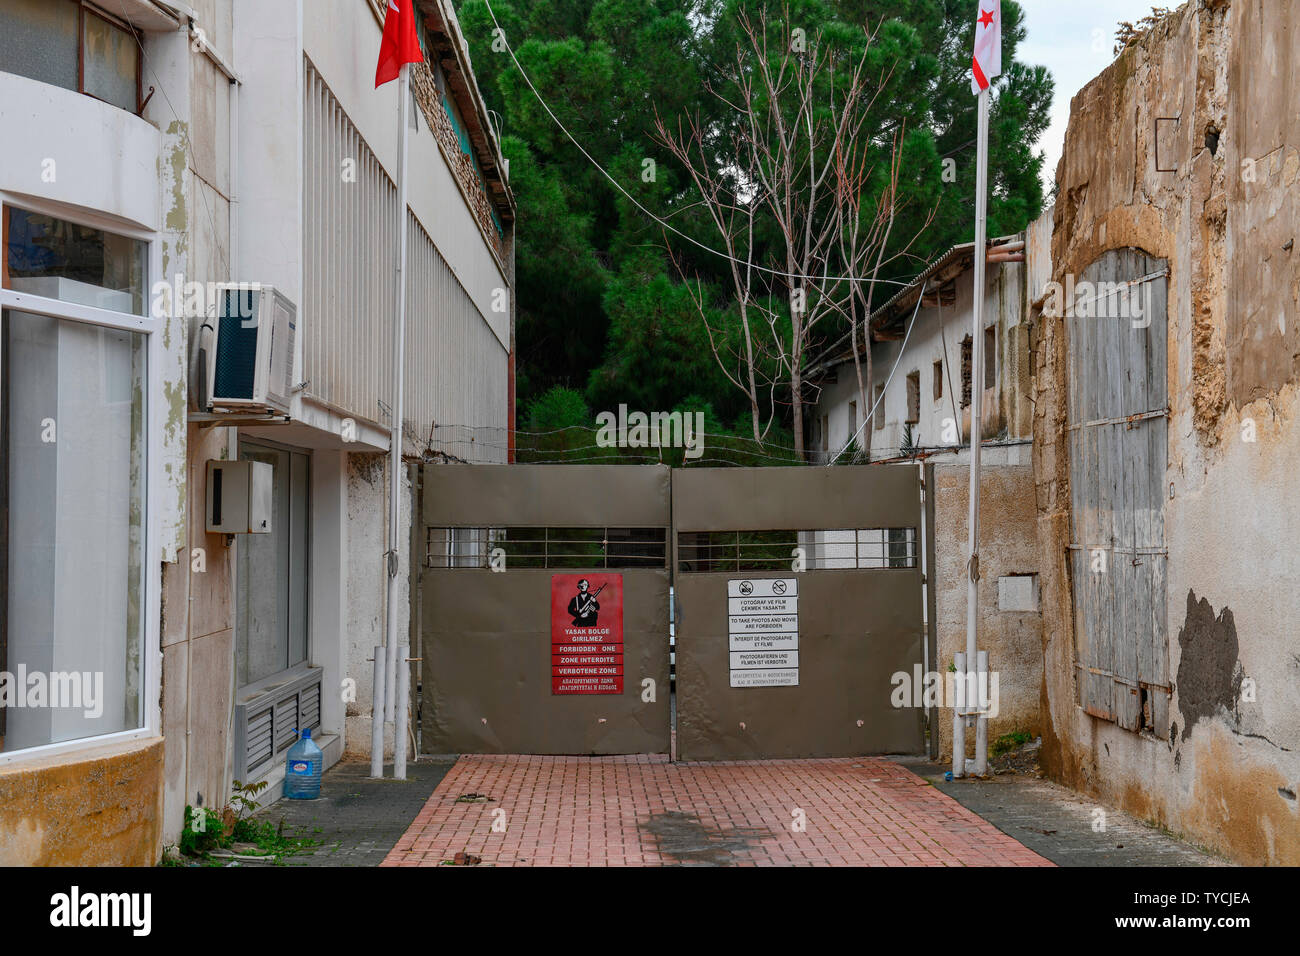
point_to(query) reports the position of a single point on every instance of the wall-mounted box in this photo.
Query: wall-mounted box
(1018, 592)
(239, 497)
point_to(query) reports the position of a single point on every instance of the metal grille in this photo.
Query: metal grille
(542, 548)
(456, 368)
(350, 221)
(258, 747)
(236, 347)
(265, 725)
(704, 552)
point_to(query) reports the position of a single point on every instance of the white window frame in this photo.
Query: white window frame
(150, 326)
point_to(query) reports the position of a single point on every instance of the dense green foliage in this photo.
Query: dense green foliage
(603, 312)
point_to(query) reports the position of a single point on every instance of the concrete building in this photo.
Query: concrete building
(1166, 452)
(929, 392)
(147, 149)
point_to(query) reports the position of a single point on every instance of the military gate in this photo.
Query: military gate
(544, 612)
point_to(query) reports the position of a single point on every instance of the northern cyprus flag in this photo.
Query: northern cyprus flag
(987, 63)
(401, 43)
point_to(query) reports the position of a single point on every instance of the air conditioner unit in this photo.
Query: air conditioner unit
(250, 364)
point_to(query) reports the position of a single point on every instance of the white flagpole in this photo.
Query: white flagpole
(392, 671)
(971, 663)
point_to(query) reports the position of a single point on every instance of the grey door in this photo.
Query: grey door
(1118, 427)
(517, 658)
(798, 599)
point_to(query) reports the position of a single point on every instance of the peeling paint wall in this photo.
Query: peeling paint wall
(367, 577)
(1209, 94)
(198, 637)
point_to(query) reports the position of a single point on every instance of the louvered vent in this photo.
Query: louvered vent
(266, 725)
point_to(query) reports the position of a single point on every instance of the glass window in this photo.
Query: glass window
(72, 530)
(63, 260)
(990, 357)
(38, 40)
(111, 59)
(68, 44)
(272, 572)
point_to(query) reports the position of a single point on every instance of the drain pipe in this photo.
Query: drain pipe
(377, 715)
(401, 693)
(959, 717)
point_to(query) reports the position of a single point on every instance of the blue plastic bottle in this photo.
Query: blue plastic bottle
(303, 769)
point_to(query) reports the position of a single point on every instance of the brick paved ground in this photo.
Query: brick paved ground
(601, 811)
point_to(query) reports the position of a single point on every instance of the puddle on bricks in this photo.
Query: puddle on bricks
(691, 842)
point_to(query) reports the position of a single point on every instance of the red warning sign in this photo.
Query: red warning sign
(586, 634)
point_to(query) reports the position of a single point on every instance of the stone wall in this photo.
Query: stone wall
(1213, 88)
(1010, 631)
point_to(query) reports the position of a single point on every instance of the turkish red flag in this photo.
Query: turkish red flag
(401, 43)
(987, 62)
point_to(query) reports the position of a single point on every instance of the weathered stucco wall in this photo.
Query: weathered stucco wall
(99, 807)
(198, 641)
(197, 632)
(368, 590)
(1225, 220)
(1008, 547)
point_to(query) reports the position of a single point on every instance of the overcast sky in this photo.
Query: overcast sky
(1074, 41)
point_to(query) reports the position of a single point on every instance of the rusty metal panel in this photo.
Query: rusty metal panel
(856, 628)
(487, 635)
(634, 496)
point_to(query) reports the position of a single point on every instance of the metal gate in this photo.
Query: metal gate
(798, 598)
(500, 540)
(544, 603)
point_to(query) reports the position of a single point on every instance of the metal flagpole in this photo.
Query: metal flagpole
(392, 672)
(974, 698)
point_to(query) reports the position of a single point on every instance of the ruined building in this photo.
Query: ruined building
(1166, 450)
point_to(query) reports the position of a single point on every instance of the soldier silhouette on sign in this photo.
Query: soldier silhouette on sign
(583, 605)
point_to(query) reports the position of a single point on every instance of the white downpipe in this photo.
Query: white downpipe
(395, 441)
(401, 693)
(976, 436)
(980, 767)
(959, 717)
(377, 716)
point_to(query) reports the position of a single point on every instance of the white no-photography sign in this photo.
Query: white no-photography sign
(763, 632)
